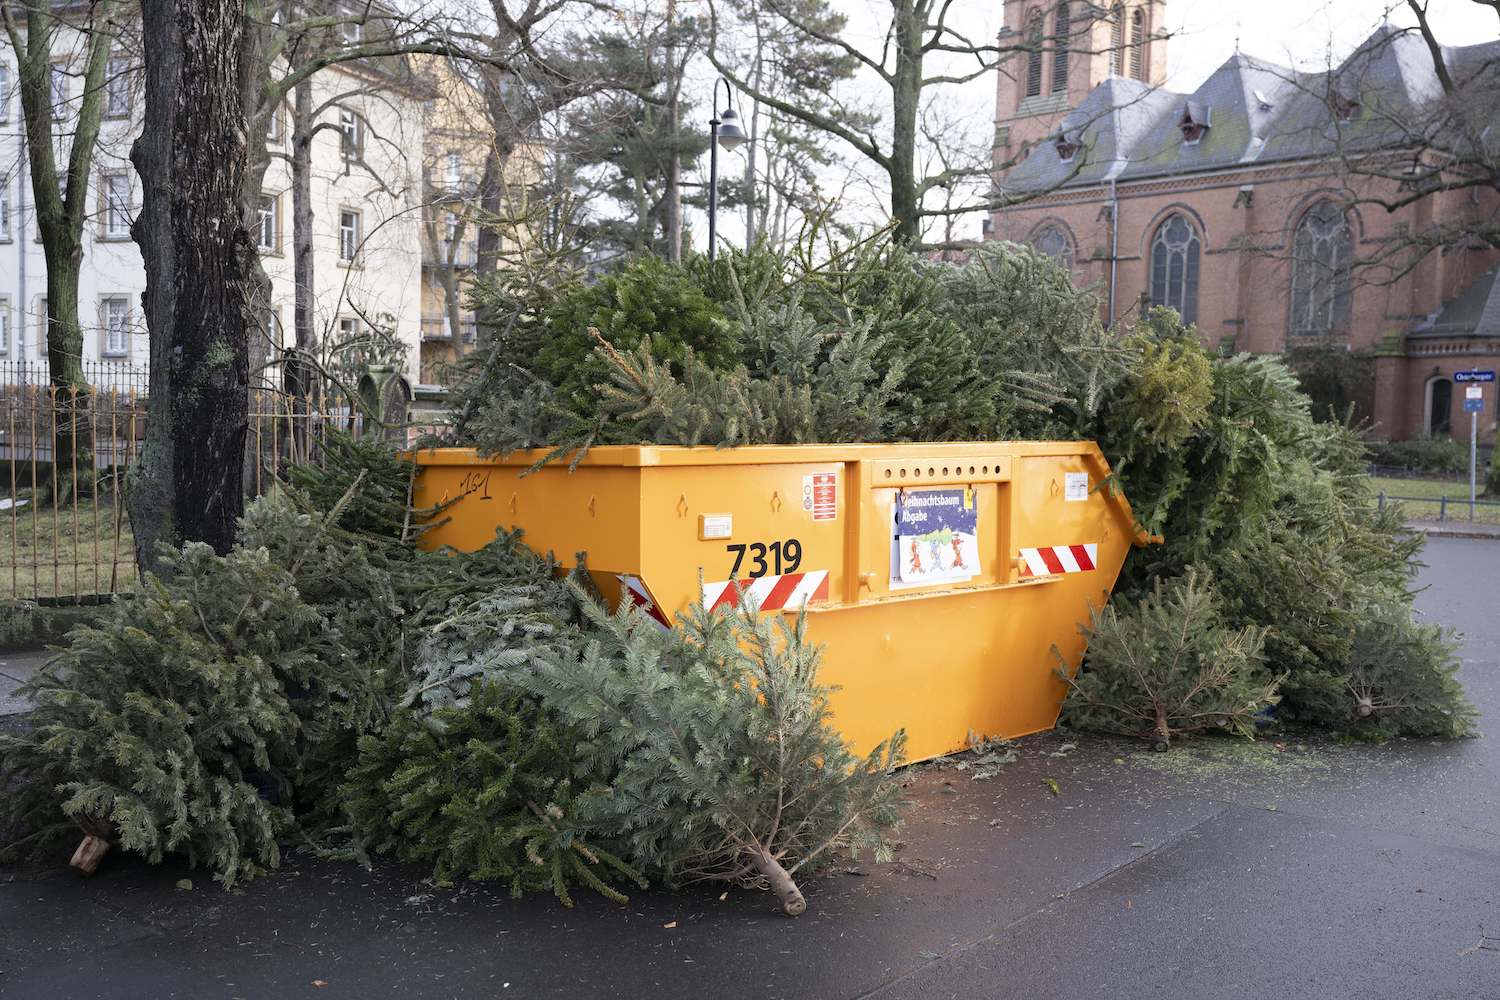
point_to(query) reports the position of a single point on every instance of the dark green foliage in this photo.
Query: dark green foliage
(716, 734)
(379, 506)
(1274, 504)
(164, 725)
(481, 791)
(1169, 665)
(875, 345)
(1339, 382)
(1492, 484)
(1440, 456)
(647, 302)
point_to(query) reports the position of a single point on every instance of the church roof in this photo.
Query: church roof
(1474, 313)
(1254, 112)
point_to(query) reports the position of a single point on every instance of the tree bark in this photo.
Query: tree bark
(906, 96)
(200, 274)
(672, 209)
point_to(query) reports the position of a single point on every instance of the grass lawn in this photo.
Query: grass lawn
(67, 552)
(1430, 492)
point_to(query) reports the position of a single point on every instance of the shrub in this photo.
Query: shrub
(1167, 666)
(1439, 456)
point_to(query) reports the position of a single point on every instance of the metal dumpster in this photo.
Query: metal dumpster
(937, 576)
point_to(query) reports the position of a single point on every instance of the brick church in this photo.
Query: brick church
(1256, 205)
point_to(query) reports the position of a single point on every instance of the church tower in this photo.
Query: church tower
(1062, 50)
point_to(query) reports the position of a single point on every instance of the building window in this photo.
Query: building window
(4, 209)
(352, 134)
(1053, 242)
(1174, 267)
(4, 324)
(4, 93)
(268, 236)
(1439, 407)
(348, 235)
(116, 206)
(1062, 29)
(273, 125)
(1322, 251)
(59, 92)
(115, 311)
(352, 28)
(452, 170)
(41, 321)
(1138, 44)
(1117, 40)
(348, 331)
(117, 88)
(1034, 34)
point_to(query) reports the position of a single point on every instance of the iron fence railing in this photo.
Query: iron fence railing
(65, 455)
(121, 376)
(1443, 503)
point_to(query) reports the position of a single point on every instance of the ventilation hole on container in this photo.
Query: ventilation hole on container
(903, 473)
(930, 472)
(887, 473)
(971, 470)
(945, 470)
(985, 469)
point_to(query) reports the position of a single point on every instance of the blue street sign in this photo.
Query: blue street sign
(1474, 376)
(1473, 406)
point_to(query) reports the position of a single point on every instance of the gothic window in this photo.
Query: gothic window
(1174, 267)
(1053, 242)
(1062, 27)
(1138, 44)
(1321, 253)
(1117, 40)
(1034, 55)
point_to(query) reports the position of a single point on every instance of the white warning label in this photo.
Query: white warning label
(1076, 486)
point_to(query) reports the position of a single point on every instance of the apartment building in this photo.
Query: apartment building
(371, 154)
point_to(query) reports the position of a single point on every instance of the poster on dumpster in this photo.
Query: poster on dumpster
(936, 538)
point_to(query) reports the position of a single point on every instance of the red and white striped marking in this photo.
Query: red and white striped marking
(634, 590)
(1053, 560)
(770, 593)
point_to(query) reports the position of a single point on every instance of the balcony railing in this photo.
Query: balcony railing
(438, 328)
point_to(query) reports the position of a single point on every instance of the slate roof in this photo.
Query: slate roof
(1474, 313)
(1258, 112)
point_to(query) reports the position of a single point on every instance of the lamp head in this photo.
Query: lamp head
(731, 134)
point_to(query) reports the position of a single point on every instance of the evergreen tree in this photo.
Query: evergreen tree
(1168, 666)
(716, 733)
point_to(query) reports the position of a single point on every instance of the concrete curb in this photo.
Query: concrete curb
(1446, 529)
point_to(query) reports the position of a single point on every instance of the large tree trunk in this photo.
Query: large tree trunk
(906, 94)
(672, 210)
(200, 273)
(302, 216)
(73, 458)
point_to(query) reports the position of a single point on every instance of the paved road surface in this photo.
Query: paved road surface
(1214, 871)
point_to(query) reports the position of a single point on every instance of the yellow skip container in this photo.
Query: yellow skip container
(937, 576)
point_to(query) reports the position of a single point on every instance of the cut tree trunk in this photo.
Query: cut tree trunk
(792, 902)
(91, 850)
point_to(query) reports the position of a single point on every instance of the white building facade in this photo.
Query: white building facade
(366, 202)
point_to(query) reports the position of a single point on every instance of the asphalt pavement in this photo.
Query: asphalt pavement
(1089, 867)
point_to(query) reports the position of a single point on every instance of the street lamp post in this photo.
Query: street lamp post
(725, 131)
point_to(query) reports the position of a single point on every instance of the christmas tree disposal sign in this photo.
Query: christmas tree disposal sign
(936, 538)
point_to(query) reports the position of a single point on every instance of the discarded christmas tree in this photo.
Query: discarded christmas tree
(716, 733)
